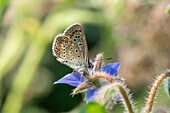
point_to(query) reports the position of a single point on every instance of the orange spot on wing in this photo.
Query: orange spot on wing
(58, 53)
(58, 49)
(59, 45)
(66, 40)
(69, 36)
(71, 42)
(73, 32)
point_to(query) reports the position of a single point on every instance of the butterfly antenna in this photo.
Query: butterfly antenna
(105, 59)
(81, 76)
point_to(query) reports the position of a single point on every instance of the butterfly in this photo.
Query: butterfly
(70, 48)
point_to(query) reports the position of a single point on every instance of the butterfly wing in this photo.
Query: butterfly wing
(76, 33)
(70, 47)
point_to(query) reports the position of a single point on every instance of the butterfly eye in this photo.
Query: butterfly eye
(90, 66)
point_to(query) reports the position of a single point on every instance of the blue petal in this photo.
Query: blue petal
(91, 94)
(72, 79)
(119, 98)
(111, 69)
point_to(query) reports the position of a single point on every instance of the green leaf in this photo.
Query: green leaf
(95, 108)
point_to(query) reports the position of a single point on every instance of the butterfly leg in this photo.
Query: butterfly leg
(81, 77)
(71, 74)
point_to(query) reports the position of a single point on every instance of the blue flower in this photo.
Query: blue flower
(73, 79)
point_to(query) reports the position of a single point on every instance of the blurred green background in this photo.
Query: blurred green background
(135, 33)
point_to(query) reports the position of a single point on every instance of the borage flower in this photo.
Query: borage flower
(75, 79)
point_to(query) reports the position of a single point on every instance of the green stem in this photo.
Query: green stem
(127, 102)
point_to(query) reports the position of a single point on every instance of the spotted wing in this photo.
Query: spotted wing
(76, 34)
(70, 48)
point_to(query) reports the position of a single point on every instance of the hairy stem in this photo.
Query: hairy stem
(127, 102)
(102, 75)
(154, 89)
